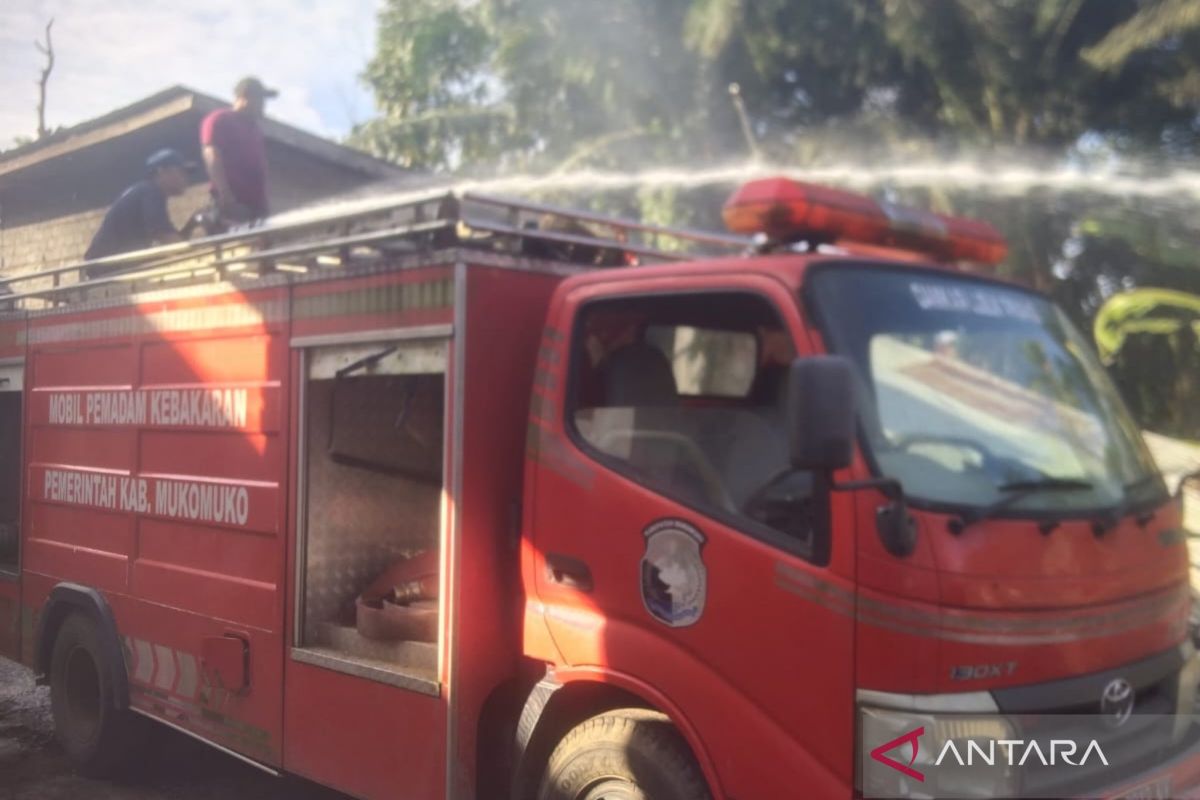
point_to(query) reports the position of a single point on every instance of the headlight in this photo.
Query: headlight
(894, 771)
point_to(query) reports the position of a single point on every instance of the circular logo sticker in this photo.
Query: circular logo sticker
(674, 578)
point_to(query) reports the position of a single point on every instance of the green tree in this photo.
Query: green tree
(1161, 43)
(549, 86)
(438, 107)
(1014, 73)
(553, 84)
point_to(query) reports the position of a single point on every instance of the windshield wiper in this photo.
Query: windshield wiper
(1112, 517)
(1016, 491)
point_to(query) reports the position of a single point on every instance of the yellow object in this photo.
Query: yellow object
(1160, 311)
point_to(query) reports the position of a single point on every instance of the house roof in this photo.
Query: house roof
(172, 102)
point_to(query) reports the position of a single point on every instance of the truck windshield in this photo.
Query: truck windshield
(969, 387)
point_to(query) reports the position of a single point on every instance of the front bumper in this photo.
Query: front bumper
(1176, 779)
(1151, 756)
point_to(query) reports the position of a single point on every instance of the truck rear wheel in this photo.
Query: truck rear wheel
(96, 735)
(629, 754)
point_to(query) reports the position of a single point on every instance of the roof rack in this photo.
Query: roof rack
(368, 231)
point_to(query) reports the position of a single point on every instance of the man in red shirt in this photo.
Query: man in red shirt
(236, 155)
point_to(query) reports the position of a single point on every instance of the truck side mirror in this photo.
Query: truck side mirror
(821, 413)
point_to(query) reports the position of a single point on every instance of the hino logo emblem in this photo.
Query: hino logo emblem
(1116, 702)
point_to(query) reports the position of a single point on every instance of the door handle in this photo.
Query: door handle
(569, 572)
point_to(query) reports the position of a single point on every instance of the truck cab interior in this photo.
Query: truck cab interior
(687, 394)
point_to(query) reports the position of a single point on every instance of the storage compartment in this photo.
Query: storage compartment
(374, 443)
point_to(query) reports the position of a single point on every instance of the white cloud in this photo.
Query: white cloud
(112, 52)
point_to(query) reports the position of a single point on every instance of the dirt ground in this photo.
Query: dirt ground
(177, 768)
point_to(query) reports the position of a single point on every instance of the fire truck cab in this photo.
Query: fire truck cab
(445, 497)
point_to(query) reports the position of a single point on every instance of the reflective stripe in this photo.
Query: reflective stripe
(145, 661)
(187, 675)
(171, 684)
(164, 668)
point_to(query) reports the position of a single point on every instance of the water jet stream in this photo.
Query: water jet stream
(979, 177)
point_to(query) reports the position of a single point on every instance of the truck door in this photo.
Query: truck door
(674, 548)
(11, 383)
(363, 693)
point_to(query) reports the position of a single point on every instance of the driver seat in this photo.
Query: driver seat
(638, 375)
(645, 422)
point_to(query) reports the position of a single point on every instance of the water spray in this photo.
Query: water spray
(979, 177)
(976, 176)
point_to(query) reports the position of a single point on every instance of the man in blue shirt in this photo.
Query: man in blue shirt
(139, 219)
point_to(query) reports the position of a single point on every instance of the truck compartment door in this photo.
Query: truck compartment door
(225, 662)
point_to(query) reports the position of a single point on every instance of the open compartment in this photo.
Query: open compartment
(372, 514)
(11, 383)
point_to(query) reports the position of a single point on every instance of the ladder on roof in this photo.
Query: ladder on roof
(368, 231)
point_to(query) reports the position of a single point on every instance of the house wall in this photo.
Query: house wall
(49, 244)
(63, 239)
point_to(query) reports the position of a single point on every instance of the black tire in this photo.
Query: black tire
(628, 754)
(99, 738)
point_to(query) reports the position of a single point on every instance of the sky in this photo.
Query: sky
(109, 53)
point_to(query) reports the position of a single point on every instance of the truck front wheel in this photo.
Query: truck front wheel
(629, 754)
(95, 734)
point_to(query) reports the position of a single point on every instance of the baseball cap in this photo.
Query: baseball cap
(253, 87)
(167, 157)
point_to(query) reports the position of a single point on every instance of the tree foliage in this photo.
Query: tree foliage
(1164, 36)
(540, 83)
(500, 86)
(430, 77)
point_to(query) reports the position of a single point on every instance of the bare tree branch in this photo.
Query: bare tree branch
(47, 50)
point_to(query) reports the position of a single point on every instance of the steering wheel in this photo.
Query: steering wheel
(712, 484)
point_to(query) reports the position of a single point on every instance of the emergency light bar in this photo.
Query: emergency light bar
(790, 211)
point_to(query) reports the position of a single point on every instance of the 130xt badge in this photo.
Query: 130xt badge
(674, 578)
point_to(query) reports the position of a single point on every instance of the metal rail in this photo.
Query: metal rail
(315, 248)
(573, 239)
(682, 234)
(180, 251)
(460, 218)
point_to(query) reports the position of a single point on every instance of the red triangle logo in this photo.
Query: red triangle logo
(912, 738)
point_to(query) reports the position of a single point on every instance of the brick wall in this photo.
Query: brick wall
(295, 179)
(63, 240)
(49, 244)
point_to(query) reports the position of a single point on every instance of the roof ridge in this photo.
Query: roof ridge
(92, 131)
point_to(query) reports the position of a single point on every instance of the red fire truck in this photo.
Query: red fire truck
(449, 496)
